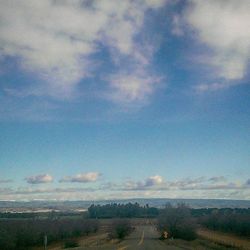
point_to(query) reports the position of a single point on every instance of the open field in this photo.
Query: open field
(223, 238)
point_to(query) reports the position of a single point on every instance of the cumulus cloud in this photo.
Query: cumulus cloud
(84, 177)
(148, 183)
(57, 39)
(153, 180)
(37, 179)
(223, 26)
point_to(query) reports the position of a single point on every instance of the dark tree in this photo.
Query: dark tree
(120, 228)
(177, 222)
(128, 210)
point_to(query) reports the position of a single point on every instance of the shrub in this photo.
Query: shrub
(6, 241)
(71, 244)
(177, 222)
(228, 221)
(120, 228)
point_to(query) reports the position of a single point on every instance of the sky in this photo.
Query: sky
(109, 99)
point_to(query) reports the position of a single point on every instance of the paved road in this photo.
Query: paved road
(143, 237)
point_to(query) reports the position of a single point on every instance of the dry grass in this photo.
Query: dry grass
(225, 239)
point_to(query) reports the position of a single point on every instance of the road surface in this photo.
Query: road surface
(143, 237)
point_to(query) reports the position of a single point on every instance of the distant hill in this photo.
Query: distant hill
(22, 206)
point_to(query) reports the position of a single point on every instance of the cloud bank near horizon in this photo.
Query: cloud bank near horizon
(153, 186)
(38, 179)
(82, 178)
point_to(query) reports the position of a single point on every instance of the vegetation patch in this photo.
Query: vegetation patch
(235, 221)
(120, 228)
(128, 210)
(71, 244)
(177, 222)
(23, 234)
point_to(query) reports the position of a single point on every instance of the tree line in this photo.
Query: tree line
(128, 210)
(228, 220)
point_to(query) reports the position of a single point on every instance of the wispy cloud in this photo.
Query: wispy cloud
(2, 181)
(82, 178)
(247, 182)
(211, 87)
(177, 23)
(31, 191)
(158, 183)
(153, 186)
(132, 87)
(57, 41)
(216, 179)
(38, 179)
(58, 193)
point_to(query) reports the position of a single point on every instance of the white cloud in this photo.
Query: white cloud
(149, 183)
(56, 39)
(224, 27)
(151, 187)
(154, 180)
(157, 183)
(37, 179)
(84, 177)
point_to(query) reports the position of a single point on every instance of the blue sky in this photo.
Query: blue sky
(121, 99)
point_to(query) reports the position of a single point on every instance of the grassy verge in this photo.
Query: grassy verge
(223, 239)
